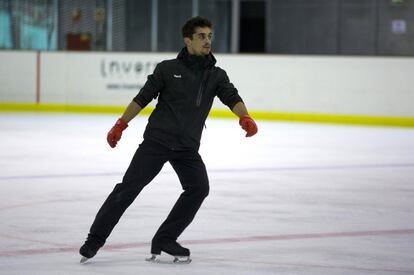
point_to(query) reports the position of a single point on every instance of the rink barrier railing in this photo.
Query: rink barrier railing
(218, 113)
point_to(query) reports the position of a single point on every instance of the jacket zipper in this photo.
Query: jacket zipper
(199, 95)
(201, 88)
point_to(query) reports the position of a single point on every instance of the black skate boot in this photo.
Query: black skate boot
(90, 247)
(181, 254)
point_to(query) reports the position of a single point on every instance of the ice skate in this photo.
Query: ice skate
(176, 260)
(181, 254)
(89, 249)
(87, 252)
(84, 259)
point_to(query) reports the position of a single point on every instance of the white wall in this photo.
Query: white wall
(378, 86)
(17, 76)
(336, 85)
(95, 78)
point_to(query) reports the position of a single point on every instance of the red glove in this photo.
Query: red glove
(116, 132)
(248, 124)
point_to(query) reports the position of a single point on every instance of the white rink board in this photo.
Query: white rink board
(376, 86)
(95, 79)
(17, 76)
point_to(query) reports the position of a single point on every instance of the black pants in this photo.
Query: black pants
(145, 165)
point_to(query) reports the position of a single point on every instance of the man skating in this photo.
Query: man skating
(185, 88)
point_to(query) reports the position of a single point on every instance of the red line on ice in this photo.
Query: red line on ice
(71, 248)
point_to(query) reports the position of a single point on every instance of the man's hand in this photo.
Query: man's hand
(116, 132)
(248, 124)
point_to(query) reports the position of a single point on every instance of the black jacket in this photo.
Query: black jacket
(185, 87)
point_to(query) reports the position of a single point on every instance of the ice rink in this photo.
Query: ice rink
(295, 199)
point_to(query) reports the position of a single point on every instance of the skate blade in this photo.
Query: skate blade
(176, 260)
(84, 260)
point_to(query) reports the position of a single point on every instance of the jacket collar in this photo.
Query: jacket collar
(196, 62)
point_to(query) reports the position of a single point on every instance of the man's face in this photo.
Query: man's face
(200, 44)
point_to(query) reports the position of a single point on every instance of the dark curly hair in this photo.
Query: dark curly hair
(194, 22)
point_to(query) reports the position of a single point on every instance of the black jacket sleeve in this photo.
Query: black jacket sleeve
(226, 91)
(151, 88)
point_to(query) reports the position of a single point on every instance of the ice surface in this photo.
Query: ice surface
(295, 199)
